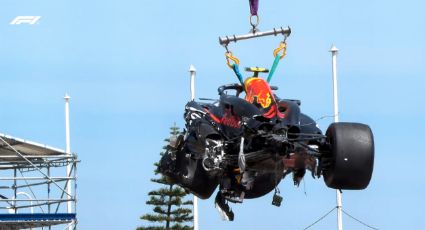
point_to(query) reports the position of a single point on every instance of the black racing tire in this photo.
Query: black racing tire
(349, 156)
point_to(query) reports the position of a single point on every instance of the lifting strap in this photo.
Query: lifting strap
(278, 57)
(274, 66)
(234, 66)
(253, 6)
(254, 19)
(238, 73)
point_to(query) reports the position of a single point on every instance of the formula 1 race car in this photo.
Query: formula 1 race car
(246, 146)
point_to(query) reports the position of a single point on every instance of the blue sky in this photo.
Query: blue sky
(125, 65)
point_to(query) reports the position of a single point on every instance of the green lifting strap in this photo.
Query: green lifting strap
(274, 66)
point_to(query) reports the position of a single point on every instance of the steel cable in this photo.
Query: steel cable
(320, 219)
(361, 222)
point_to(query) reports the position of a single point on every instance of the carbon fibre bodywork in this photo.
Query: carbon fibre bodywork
(247, 146)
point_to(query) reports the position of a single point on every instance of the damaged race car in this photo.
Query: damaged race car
(246, 146)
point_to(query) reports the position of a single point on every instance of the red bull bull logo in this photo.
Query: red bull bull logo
(258, 91)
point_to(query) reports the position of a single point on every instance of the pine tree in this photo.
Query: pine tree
(169, 206)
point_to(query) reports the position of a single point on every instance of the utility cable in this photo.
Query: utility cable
(320, 219)
(361, 222)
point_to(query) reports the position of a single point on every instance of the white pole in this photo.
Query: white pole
(195, 213)
(192, 72)
(68, 151)
(334, 51)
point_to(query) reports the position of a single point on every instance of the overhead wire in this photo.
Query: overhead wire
(346, 213)
(320, 219)
(361, 222)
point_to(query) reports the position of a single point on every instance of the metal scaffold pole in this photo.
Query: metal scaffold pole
(334, 52)
(192, 72)
(68, 151)
(24, 160)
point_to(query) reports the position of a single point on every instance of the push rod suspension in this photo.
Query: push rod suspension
(234, 38)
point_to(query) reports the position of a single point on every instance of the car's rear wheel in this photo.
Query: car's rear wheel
(347, 162)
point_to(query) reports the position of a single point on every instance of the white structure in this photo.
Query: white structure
(192, 72)
(68, 152)
(334, 52)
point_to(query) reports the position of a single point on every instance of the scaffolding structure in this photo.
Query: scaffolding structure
(38, 183)
(34, 180)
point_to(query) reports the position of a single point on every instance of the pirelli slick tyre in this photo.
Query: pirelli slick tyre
(348, 158)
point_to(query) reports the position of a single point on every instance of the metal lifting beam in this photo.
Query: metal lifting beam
(276, 31)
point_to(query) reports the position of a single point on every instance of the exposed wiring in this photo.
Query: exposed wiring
(320, 118)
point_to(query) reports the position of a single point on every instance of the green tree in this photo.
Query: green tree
(170, 208)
